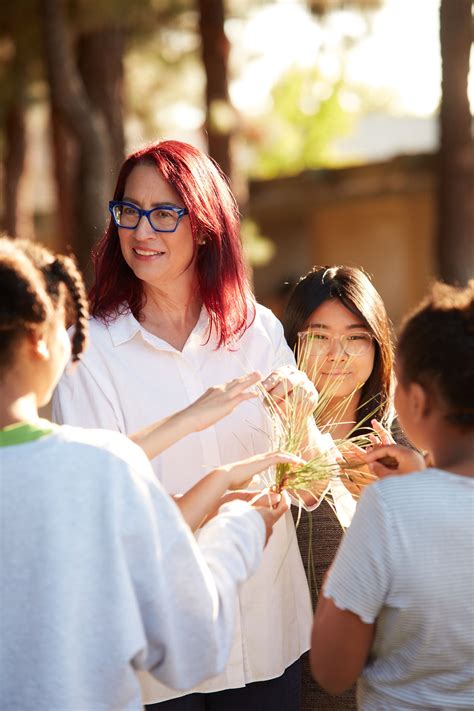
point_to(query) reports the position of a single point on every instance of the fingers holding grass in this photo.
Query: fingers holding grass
(273, 514)
(386, 460)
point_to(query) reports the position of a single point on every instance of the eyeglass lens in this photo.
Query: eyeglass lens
(160, 219)
(356, 344)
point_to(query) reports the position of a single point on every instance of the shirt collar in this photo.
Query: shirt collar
(125, 327)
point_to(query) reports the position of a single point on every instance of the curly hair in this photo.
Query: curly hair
(436, 349)
(34, 284)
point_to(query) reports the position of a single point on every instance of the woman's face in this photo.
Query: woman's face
(157, 258)
(334, 370)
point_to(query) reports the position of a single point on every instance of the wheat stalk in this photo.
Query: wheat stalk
(336, 459)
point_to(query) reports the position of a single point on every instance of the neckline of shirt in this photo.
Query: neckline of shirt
(23, 432)
(126, 326)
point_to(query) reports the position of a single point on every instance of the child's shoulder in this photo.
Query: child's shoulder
(425, 489)
(100, 444)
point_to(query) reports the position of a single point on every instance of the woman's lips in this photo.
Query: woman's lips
(340, 373)
(141, 253)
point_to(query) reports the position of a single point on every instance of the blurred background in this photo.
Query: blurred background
(345, 127)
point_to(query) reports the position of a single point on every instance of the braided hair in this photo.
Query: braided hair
(34, 283)
(24, 302)
(436, 349)
(64, 285)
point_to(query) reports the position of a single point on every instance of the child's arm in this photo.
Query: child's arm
(205, 497)
(216, 403)
(340, 646)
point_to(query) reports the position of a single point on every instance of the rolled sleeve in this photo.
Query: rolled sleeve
(359, 579)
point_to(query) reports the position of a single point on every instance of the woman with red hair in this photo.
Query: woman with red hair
(173, 315)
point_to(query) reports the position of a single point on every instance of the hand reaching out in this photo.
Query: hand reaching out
(204, 499)
(215, 403)
(239, 474)
(220, 400)
(386, 460)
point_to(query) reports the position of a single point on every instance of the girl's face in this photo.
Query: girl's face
(332, 329)
(157, 258)
(55, 348)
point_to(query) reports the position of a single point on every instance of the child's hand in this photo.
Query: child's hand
(219, 401)
(271, 515)
(394, 459)
(240, 474)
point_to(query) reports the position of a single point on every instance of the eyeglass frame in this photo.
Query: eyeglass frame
(180, 211)
(342, 343)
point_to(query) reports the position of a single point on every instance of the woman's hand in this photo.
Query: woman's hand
(286, 384)
(394, 459)
(219, 401)
(380, 435)
(356, 473)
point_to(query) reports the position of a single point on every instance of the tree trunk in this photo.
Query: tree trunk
(15, 151)
(456, 160)
(69, 98)
(220, 117)
(66, 169)
(103, 81)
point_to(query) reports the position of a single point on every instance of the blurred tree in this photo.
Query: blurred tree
(298, 130)
(103, 81)
(321, 7)
(19, 59)
(220, 116)
(456, 160)
(85, 72)
(15, 151)
(70, 99)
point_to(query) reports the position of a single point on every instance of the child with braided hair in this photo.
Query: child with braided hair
(397, 605)
(100, 575)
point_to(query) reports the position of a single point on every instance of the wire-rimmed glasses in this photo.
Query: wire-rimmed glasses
(164, 218)
(319, 344)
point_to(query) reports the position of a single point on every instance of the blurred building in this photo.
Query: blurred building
(380, 216)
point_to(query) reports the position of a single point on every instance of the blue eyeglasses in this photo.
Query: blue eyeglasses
(162, 219)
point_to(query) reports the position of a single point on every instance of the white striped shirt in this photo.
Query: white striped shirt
(407, 562)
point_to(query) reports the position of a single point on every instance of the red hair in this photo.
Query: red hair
(214, 218)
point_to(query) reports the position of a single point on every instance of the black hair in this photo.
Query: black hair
(354, 289)
(436, 350)
(34, 283)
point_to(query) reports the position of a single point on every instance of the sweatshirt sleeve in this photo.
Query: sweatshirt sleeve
(187, 591)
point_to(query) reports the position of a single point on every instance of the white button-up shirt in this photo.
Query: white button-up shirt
(129, 378)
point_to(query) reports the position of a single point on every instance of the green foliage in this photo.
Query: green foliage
(298, 131)
(258, 249)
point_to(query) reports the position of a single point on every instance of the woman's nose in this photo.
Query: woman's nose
(336, 349)
(144, 230)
